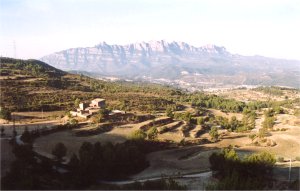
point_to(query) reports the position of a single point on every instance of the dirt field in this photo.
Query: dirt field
(192, 159)
(73, 143)
(177, 161)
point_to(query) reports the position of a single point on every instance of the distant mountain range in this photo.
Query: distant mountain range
(177, 63)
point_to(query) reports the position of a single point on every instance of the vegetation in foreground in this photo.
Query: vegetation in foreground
(253, 172)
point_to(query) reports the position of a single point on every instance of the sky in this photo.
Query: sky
(35, 28)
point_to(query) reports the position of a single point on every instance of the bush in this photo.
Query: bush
(152, 133)
(297, 158)
(59, 151)
(138, 135)
(5, 113)
(252, 172)
(214, 133)
(280, 159)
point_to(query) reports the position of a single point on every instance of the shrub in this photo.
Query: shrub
(214, 133)
(5, 113)
(152, 133)
(59, 151)
(138, 135)
(280, 159)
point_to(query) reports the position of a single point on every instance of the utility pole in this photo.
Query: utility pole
(290, 168)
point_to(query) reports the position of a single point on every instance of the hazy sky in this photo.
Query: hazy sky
(248, 27)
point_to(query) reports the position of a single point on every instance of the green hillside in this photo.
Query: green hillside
(31, 85)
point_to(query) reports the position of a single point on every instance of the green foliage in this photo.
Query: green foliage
(278, 110)
(248, 120)
(59, 151)
(275, 91)
(252, 172)
(73, 122)
(262, 132)
(104, 112)
(268, 123)
(77, 102)
(213, 101)
(5, 113)
(213, 133)
(265, 159)
(169, 112)
(26, 136)
(97, 119)
(152, 133)
(280, 159)
(22, 174)
(269, 113)
(234, 123)
(2, 131)
(107, 161)
(186, 116)
(74, 162)
(200, 121)
(138, 135)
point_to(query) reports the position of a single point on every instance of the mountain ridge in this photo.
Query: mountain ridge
(162, 59)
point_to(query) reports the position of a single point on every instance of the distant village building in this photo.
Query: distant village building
(85, 110)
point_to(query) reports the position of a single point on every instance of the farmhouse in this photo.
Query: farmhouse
(85, 110)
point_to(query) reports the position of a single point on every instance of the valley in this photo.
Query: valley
(176, 131)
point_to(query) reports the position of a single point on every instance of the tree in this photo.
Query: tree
(97, 119)
(251, 172)
(262, 132)
(14, 133)
(74, 122)
(26, 136)
(86, 154)
(104, 113)
(214, 133)
(74, 162)
(2, 131)
(77, 102)
(152, 133)
(248, 119)
(200, 120)
(234, 123)
(169, 112)
(187, 117)
(5, 113)
(59, 151)
(268, 123)
(138, 135)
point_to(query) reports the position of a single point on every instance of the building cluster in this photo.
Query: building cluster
(86, 110)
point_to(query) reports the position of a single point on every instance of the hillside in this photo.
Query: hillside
(178, 63)
(31, 85)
